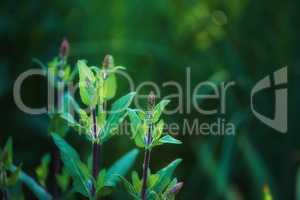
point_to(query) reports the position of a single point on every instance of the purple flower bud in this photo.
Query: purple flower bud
(176, 188)
(108, 61)
(151, 100)
(64, 49)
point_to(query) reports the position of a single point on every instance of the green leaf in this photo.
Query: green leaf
(53, 71)
(165, 176)
(158, 130)
(42, 170)
(101, 118)
(66, 74)
(58, 124)
(141, 114)
(110, 87)
(64, 148)
(37, 190)
(82, 178)
(152, 195)
(76, 169)
(84, 119)
(169, 139)
(138, 128)
(153, 178)
(170, 186)
(136, 181)
(117, 115)
(140, 135)
(129, 188)
(100, 180)
(63, 179)
(68, 117)
(159, 108)
(87, 88)
(85, 71)
(120, 167)
(120, 106)
(70, 103)
(135, 121)
(7, 153)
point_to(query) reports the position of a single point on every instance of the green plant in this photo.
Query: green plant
(98, 123)
(59, 75)
(147, 133)
(96, 87)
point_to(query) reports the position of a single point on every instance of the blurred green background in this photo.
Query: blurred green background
(234, 40)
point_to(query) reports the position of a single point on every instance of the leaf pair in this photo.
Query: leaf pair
(42, 170)
(140, 122)
(95, 85)
(82, 178)
(160, 185)
(106, 127)
(58, 72)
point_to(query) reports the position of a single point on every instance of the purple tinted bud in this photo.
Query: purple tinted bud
(64, 49)
(176, 188)
(108, 61)
(151, 100)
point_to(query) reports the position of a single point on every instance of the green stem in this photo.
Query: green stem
(146, 165)
(96, 153)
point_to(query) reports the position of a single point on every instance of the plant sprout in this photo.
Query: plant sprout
(96, 86)
(148, 132)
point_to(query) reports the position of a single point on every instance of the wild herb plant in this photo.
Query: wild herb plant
(59, 75)
(97, 123)
(148, 132)
(96, 86)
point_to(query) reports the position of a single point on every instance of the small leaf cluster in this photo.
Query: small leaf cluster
(142, 120)
(148, 131)
(161, 185)
(81, 174)
(97, 85)
(8, 178)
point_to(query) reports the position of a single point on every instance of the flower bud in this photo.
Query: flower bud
(151, 100)
(64, 49)
(108, 61)
(176, 188)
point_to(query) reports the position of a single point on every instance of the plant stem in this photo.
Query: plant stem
(146, 165)
(56, 161)
(96, 152)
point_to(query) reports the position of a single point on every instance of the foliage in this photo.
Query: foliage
(10, 175)
(219, 41)
(147, 132)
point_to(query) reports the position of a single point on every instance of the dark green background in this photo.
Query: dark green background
(156, 41)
